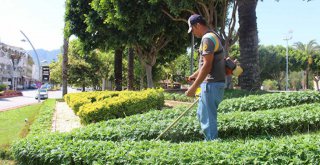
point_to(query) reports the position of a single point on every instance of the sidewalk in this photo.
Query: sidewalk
(64, 119)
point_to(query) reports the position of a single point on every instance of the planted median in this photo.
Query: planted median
(275, 122)
(60, 149)
(248, 137)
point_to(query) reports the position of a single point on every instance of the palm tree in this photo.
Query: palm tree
(307, 50)
(248, 41)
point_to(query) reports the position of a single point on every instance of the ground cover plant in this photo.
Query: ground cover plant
(275, 122)
(280, 135)
(43, 122)
(228, 94)
(268, 101)
(261, 100)
(57, 149)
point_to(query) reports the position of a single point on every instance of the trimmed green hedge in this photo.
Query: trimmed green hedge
(228, 94)
(3, 87)
(285, 121)
(76, 100)
(43, 123)
(178, 97)
(268, 101)
(237, 93)
(59, 149)
(255, 101)
(125, 103)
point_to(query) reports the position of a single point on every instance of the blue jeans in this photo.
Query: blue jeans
(210, 98)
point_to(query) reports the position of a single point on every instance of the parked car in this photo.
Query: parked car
(46, 86)
(32, 86)
(43, 94)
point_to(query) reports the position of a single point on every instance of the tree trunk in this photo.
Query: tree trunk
(307, 77)
(130, 69)
(65, 67)
(104, 84)
(279, 85)
(147, 64)
(83, 87)
(149, 75)
(316, 82)
(142, 80)
(302, 82)
(118, 69)
(248, 41)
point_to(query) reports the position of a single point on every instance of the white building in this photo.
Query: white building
(16, 67)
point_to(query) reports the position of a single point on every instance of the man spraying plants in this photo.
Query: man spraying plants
(210, 76)
(213, 67)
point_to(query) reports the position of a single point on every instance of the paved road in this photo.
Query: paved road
(28, 98)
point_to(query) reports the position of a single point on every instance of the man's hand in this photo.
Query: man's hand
(191, 92)
(190, 79)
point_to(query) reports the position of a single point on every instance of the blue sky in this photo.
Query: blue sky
(276, 19)
(42, 22)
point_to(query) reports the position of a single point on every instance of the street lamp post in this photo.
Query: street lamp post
(39, 65)
(287, 38)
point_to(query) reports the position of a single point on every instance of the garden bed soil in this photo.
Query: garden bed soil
(171, 103)
(11, 94)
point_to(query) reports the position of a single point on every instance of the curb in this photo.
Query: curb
(20, 106)
(4, 97)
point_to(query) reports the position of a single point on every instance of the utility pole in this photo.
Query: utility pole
(287, 38)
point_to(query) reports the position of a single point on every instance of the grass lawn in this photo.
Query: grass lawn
(13, 125)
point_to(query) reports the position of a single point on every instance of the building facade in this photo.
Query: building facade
(16, 67)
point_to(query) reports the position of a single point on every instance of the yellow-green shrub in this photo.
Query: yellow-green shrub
(97, 106)
(76, 100)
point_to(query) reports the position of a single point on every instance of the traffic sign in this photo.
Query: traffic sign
(38, 84)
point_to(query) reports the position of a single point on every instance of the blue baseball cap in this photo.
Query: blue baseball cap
(193, 19)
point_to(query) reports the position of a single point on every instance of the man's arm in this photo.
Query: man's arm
(202, 74)
(194, 75)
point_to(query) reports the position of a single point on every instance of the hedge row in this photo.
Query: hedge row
(43, 123)
(285, 121)
(59, 149)
(268, 101)
(76, 100)
(228, 94)
(178, 97)
(111, 105)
